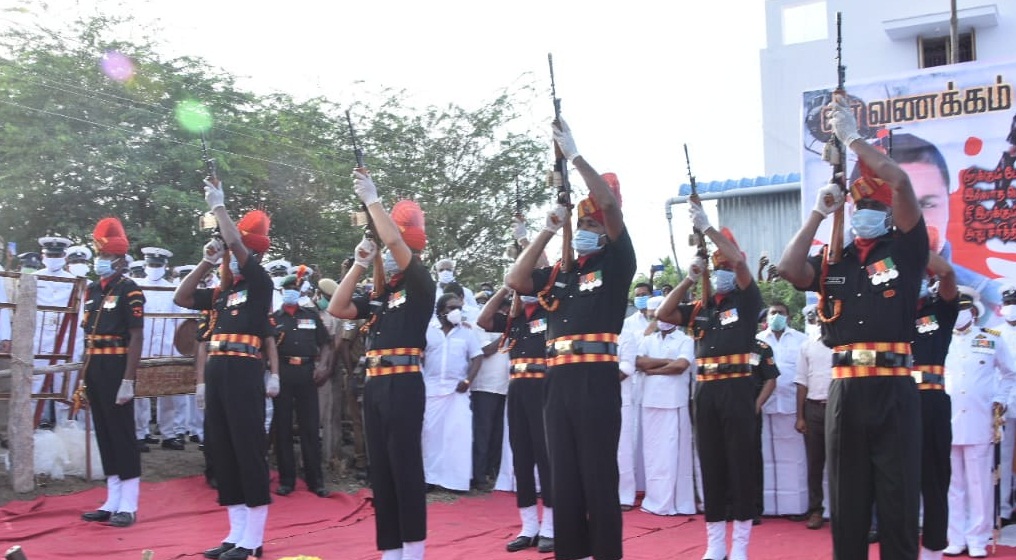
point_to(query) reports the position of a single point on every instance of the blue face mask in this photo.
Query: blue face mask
(925, 290)
(585, 242)
(322, 304)
(869, 224)
(104, 268)
(391, 266)
(723, 281)
(641, 302)
(234, 266)
(529, 299)
(290, 297)
(778, 322)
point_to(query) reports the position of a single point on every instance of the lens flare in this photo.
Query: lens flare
(117, 66)
(193, 116)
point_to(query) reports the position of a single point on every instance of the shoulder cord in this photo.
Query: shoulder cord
(545, 296)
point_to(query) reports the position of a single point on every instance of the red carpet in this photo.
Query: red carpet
(179, 519)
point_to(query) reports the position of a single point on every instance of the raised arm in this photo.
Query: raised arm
(947, 289)
(599, 190)
(215, 198)
(794, 267)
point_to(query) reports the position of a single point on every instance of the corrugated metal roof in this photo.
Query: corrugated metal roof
(747, 182)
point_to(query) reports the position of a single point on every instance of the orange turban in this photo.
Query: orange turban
(110, 237)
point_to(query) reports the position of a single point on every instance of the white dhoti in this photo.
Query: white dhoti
(669, 461)
(785, 466)
(971, 502)
(626, 457)
(448, 441)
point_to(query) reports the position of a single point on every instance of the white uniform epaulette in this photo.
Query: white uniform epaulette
(991, 331)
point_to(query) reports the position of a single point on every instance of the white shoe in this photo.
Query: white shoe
(954, 550)
(739, 541)
(717, 546)
(977, 552)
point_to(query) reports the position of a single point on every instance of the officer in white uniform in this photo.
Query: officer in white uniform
(278, 270)
(47, 323)
(194, 416)
(79, 261)
(979, 378)
(136, 270)
(1008, 330)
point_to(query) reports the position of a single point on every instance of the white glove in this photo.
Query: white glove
(829, 199)
(272, 387)
(519, 229)
(696, 268)
(556, 218)
(214, 196)
(199, 396)
(364, 187)
(563, 139)
(364, 253)
(841, 118)
(699, 219)
(126, 391)
(214, 251)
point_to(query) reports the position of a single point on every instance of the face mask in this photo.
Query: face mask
(778, 322)
(723, 281)
(391, 266)
(641, 302)
(964, 319)
(104, 268)
(813, 331)
(454, 316)
(925, 292)
(585, 242)
(869, 224)
(322, 304)
(79, 269)
(234, 267)
(1009, 312)
(529, 299)
(54, 264)
(290, 297)
(155, 273)
(445, 276)
(665, 326)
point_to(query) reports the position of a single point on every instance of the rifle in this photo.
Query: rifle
(370, 230)
(699, 238)
(560, 178)
(207, 220)
(836, 154)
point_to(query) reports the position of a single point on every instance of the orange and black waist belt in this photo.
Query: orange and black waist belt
(528, 368)
(582, 348)
(732, 366)
(297, 360)
(242, 345)
(929, 378)
(872, 359)
(389, 361)
(105, 344)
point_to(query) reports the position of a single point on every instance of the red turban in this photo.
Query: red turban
(110, 237)
(254, 230)
(870, 186)
(408, 216)
(588, 206)
(718, 259)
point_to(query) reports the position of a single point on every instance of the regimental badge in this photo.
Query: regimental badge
(236, 298)
(591, 281)
(927, 324)
(538, 326)
(882, 271)
(396, 299)
(306, 324)
(729, 316)
(110, 302)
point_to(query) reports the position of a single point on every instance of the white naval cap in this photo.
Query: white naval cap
(136, 265)
(79, 253)
(278, 267)
(184, 269)
(972, 297)
(54, 246)
(156, 255)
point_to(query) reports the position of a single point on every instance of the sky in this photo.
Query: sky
(637, 79)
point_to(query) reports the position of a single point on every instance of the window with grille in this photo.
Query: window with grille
(934, 51)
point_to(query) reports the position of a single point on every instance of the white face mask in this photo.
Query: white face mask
(79, 269)
(454, 316)
(964, 319)
(813, 331)
(155, 273)
(665, 326)
(54, 264)
(1009, 313)
(445, 276)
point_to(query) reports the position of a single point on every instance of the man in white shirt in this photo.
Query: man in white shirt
(487, 395)
(814, 372)
(632, 332)
(451, 361)
(1008, 330)
(445, 269)
(979, 378)
(783, 456)
(666, 360)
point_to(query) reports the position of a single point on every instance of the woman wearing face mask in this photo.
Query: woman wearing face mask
(725, 405)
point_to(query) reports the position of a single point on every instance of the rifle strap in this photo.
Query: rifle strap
(546, 298)
(837, 304)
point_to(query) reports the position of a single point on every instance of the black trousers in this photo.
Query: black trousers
(873, 441)
(727, 435)
(488, 432)
(936, 468)
(235, 428)
(529, 442)
(582, 416)
(814, 449)
(393, 417)
(297, 393)
(114, 423)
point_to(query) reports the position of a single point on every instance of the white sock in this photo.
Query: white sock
(413, 550)
(254, 531)
(129, 490)
(530, 521)
(391, 554)
(237, 522)
(547, 525)
(112, 502)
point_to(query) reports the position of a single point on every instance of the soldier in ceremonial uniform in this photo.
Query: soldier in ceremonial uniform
(936, 316)
(394, 398)
(582, 410)
(302, 340)
(113, 323)
(234, 373)
(1008, 330)
(526, 342)
(868, 299)
(79, 261)
(726, 410)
